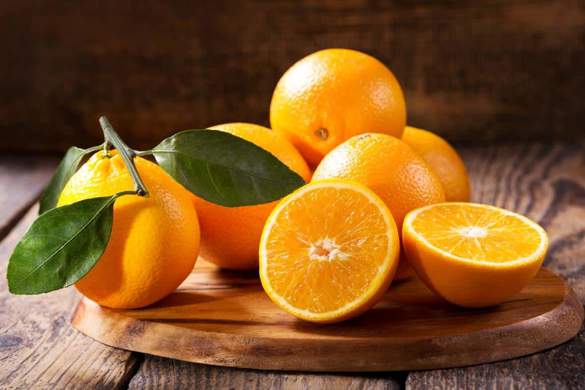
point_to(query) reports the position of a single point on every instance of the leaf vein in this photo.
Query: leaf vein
(107, 204)
(225, 166)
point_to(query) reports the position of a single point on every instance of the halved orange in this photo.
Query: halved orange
(473, 255)
(328, 251)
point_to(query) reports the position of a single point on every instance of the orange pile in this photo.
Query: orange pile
(345, 113)
(329, 250)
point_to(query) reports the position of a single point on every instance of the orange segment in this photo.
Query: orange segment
(472, 254)
(328, 251)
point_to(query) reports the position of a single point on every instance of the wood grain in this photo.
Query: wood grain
(559, 368)
(161, 373)
(226, 319)
(22, 179)
(472, 70)
(546, 182)
(38, 348)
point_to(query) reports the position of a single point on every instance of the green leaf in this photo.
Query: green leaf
(61, 246)
(65, 170)
(225, 169)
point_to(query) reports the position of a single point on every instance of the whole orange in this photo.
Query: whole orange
(332, 95)
(154, 241)
(230, 236)
(443, 159)
(390, 168)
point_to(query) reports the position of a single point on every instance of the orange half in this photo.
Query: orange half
(473, 255)
(328, 251)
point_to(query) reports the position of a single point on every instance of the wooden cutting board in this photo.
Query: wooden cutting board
(225, 319)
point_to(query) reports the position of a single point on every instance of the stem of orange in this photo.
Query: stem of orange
(127, 154)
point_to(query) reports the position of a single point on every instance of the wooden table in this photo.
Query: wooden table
(39, 349)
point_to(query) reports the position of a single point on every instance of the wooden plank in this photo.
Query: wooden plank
(470, 70)
(22, 178)
(160, 373)
(38, 347)
(546, 182)
(559, 368)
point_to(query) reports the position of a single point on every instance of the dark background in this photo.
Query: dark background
(471, 70)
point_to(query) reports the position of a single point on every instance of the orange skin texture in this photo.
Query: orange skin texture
(467, 285)
(154, 241)
(230, 236)
(390, 168)
(346, 92)
(443, 159)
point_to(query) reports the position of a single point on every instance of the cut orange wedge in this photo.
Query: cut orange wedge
(473, 255)
(328, 251)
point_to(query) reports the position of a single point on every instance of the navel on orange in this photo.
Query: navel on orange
(332, 95)
(328, 251)
(473, 255)
(154, 241)
(230, 235)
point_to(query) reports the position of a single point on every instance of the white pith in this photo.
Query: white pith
(472, 231)
(326, 249)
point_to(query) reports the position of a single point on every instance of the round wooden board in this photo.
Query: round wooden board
(225, 319)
